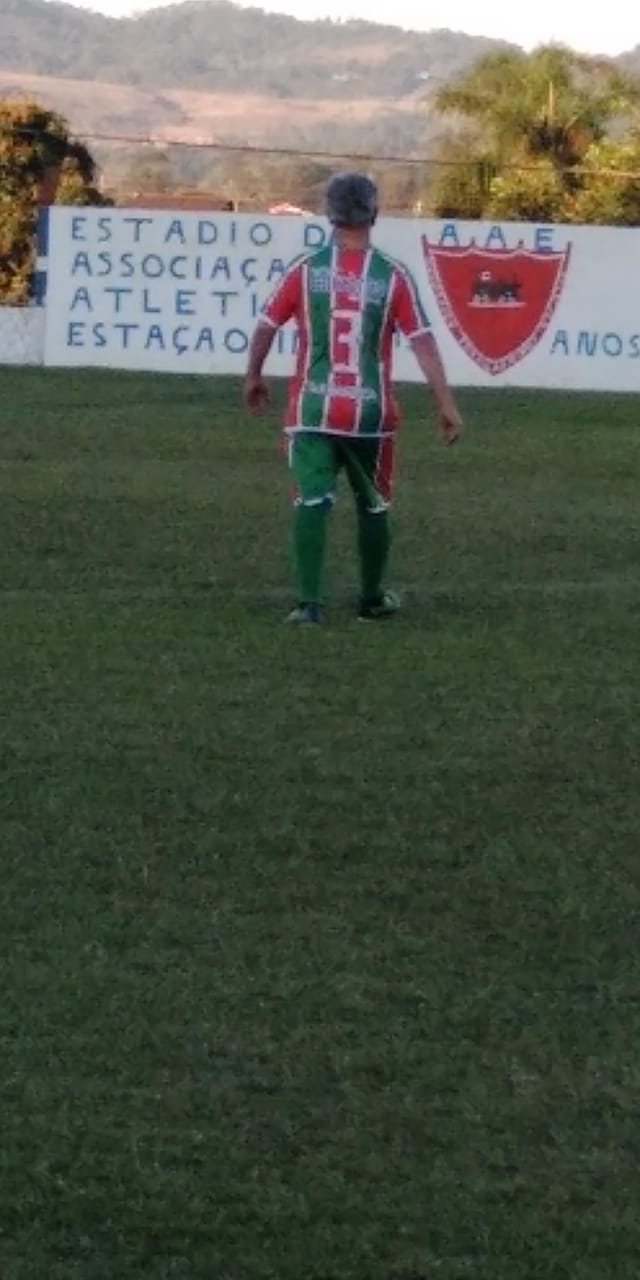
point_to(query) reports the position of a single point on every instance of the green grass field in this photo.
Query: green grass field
(319, 950)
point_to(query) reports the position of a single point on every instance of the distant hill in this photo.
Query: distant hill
(213, 45)
(207, 68)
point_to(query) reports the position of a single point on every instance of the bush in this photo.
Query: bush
(38, 163)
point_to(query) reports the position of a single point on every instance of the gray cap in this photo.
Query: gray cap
(352, 200)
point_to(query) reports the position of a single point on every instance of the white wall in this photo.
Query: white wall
(22, 335)
(180, 292)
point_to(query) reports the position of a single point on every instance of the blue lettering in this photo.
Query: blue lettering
(612, 344)
(82, 260)
(587, 344)
(184, 305)
(220, 266)
(207, 232)
(105, 260)
(260, 234)
(75, 334)
(99, 336)
(449, 234)
(152, 266)
(118, 291)
(126, 330)
(104, 227)
(495, 239)
(314, 235)
(147, 306)
(81, 297)
(156, 335)
(179, 346)
(287, 342)
(543, 239)
(78, 224)
(176, 229)
(560, 343)
(127, 265)
(173, 267)
(256, 306)
(236, 341)
(246, 270)
(138, 224)
(277, 268)
(205, 339)
(590, 343)
(224, 295)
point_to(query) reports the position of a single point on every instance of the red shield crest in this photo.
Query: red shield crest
(497, 303)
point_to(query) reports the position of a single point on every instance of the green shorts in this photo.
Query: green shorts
(317, 457)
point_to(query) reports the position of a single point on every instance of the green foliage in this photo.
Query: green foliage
(532, 194)
(544, 117)
(551, 103)
(604, 191)
(462, 182)
(609, 185)
(16, 251)
(36, 153)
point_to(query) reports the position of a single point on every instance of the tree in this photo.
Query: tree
(463, 177)
(537, 116)
(39, 162)
(552, 102)
(534, 193)
(610, 185)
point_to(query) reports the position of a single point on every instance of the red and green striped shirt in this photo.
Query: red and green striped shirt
(347, 304)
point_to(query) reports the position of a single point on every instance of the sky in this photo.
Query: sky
(586, 25)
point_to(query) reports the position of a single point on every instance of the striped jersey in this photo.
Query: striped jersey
(347, 304)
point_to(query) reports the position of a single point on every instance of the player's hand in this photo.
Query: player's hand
(449, 423)
(256, 394)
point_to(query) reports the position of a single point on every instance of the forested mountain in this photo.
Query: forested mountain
(209, 69)
(214, 45)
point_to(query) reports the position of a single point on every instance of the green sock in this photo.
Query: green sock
(309, 537)
(374, 540)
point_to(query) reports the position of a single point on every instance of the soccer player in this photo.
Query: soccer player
(347, 299)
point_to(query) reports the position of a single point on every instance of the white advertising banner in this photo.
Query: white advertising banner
(512, 304)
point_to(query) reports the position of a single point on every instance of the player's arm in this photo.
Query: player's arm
(256, 391)
(283, 304)
(410, 318)
(427, 354)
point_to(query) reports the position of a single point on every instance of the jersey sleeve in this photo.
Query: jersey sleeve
(286, 299)
(407, 312)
